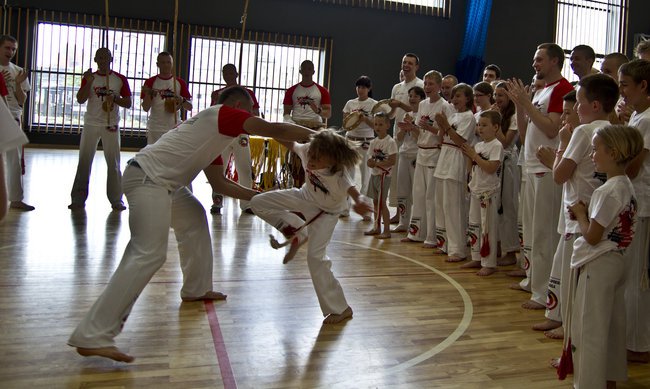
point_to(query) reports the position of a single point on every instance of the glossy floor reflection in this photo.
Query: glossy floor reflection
(418, 322)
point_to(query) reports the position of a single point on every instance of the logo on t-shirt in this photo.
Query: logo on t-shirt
(316, 182)
(623, 233)
(166, 93)
(304, 101)
(101, 91)
(379, 155)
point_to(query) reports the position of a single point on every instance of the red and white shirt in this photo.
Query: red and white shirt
(116, 85)
(179, 156)
(299, 96)
(12, 71)
(159, 119)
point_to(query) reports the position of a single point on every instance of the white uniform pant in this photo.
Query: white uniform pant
(275, 208)
(422, 227)
(477, 220)
(598, 323)
(507, 226)
(363, 166)
(241, 152)
(451, 213)
(540, 213)
(405, 173)
(152, 211)
(637, 301)
(14, 173)
(90, 137)
(392, 192)
(558, 284)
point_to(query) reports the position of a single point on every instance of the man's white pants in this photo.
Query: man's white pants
(275, 208)
(422, 227)
(405, 174)
(90, 137)
(241, 152)
(452, 215)
(475, 228)
(14, 173)
(637, 299)
(152, 211)
(540, 212)
(508, 232)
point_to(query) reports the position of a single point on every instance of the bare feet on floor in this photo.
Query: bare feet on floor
(509, 259)
(453, 259)
(471, 265)
(486, 271)
(408, 240)
(371, 232)
(516, 286)
(429, 246)
(333, 318)
(554, 362)
(516, 273)
(530, 304)
(547, 325)
(385, 235)
(106, 352)
(21, 206)
(439, 251)
(293, 249)
(638, 357)
(557, 333)
(211, 295)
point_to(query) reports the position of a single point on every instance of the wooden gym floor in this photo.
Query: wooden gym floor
(418, 322)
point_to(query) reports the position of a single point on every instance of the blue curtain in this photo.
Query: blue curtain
(470, 62)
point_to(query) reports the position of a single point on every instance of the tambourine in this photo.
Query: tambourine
(382, 106)
(352, 121)
(107, 106)
(408, 118)
(170, 105)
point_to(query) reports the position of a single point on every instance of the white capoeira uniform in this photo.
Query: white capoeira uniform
(363, 134)
(541, 197)
(240, 150)
(322, 198)
(406, 162)
(399, 193)
(381, 149)
(507, 214)
(155, 184)
(579, 187)
(299, 96)
(99, 124)
(637, 292)
(451, 188)
(160, 121)
(597, 314)
(483, 205)
(422, 227)
(11, 136)
(14, 156)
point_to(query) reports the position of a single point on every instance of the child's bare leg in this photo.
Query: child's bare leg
(334, 318)
(557, 333)
(486, 271)
(106, 352)
(385, 220)
(547, 325)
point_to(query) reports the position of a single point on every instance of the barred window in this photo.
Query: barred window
(600, 24)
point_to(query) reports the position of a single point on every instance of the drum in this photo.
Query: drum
(352, 121)
(382, 106)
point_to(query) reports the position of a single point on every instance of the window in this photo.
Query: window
(438, 8)
(600, 24)
(63, 52)
(268, 68)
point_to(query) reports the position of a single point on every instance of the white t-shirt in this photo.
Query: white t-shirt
(380, 150)
(584, 179)
(548, 100)
(452, 163)
(159, 119)
(642, 181)
(180, 155)
(481, 181)
(613, 206)
(117, 85)
(11, 136)
(401, 92)
(10, 71)
(328, 191)
(363, 130)
(299, 97)
(428, 142)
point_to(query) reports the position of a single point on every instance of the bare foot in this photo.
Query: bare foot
(429, 246)
(439, 251)
(471, 265)
(516, 286)
(557, 333)
(486, 271)
(516, 273)
(106, 352)
(454, 259)
(21, 206)
(399, 229)
(554, 362)
(509, 259)
(385, 235)
(408, 240)
(293, 249)
(333, 318)
(211, 295)
(547, 325)
(371, 232)
(638, 357)
(530, 304)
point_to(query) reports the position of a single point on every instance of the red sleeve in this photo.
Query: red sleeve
(324, 95)
(83, 82)
(556, 101)
(255, 103)
(148, 83)
(125, 90)
(217, 161)
(288, 96)
(231, 121)
(185, 93)
(3, 86)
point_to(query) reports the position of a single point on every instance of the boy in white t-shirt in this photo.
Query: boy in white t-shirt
(383, 154)
(484, 165)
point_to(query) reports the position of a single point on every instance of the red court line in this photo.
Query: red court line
(220, 348)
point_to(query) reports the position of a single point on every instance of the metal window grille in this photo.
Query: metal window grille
(436, 8)
(601, 24)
